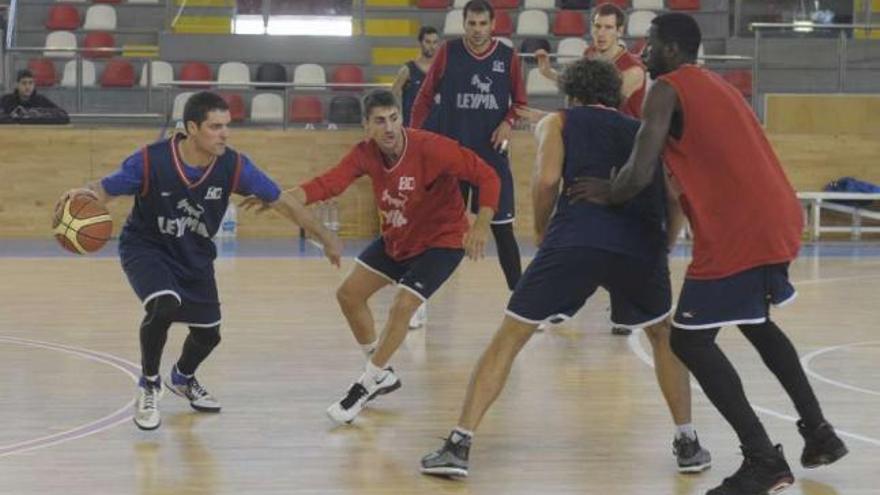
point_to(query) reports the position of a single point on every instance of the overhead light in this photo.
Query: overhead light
(803, 26)
(248, 24)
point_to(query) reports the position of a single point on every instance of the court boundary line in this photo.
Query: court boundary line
(805, 362)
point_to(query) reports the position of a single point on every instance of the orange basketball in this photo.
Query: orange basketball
(83, 226)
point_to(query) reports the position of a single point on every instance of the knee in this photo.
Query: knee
(346, 295)
(405, 304)
(206, 337)
(682, 343)
(162, 308)
(658, 333)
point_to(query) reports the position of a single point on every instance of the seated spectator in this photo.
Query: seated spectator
(25, 106)
(25, 96)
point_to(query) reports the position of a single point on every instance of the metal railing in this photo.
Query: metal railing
(286, 87)
(842, 42)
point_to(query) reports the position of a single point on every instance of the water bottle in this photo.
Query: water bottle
(229, 223)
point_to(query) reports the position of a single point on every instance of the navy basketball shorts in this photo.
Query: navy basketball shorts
(422, 274)
(743, 298)
(150, 277)
(506, 212)
(560, 280)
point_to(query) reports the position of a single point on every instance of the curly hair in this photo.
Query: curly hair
(592, 82)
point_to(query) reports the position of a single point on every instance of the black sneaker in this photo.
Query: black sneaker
(621, 331)
(450, 460)
(764, 473)
(691, 456)
(821, 445)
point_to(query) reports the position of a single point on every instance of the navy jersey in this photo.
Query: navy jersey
(410, 90)
(176, 217)
(597, 139)
(475, 94)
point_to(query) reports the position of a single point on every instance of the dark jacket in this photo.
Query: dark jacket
(10, 102)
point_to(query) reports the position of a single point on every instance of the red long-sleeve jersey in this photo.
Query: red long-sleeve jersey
(418, 198)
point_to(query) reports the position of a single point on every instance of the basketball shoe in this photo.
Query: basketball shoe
(760, 473)
(821, 445)
(146, 409)
(451, 459)
(360, 393)
(690, 455)
(189, 388)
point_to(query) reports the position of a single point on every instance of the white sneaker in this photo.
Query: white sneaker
(344, 411)
(189, 388)
(146, 410)
(419, 318)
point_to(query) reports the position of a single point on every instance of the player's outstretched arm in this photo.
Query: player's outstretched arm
(638, 172)
(291, 204)
(399, 82)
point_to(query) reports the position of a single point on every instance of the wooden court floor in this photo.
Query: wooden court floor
(580, 414)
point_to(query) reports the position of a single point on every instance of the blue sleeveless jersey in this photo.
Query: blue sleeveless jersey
(410, 90)
(475, 95)
(597, 139)
(174, 218)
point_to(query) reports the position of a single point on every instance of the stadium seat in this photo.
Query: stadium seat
(454, 23)
(144, 2)
(68, 80)
(118, 73)
(62, 17)
(107, 1)
(44, 71)
(503, 23)
(741, 79)
(569, 23)
(267, 108)
(179, 103)
(98, 39)
(433, 4)
(196, 71)
(309, 74)
(540, 4)
(271, 72)
(306, 110)
(344, 110)
(233, 73)
(505, 4)
(529, 45)
(459, 4)
(100, 18)
(647, 4)
(348, 74)
(639, 23)
(576, 4)
(532, 23)
(60, 39)
(71, 1)
(249, 7)
(162, 73)
(637, 46)
(683, 4)
(537, 84)
(571, 49)
(506, 41)
(624, 4)
(236, 106)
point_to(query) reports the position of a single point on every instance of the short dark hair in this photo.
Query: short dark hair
(592, 82)
(199, 105)
(379, 98)
(22, 74)
(610, 9)
(478, 6)
(426, 30)
(680, 29)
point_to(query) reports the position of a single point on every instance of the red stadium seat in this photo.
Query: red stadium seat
(99, 39)
(741, 79)
(236, 106)
(683, 4)
(196, 71)
(306, 110)
(505, 4)
(569, 23)
(347, 74)
(63, 17)
(433, 4)
(503, 23)
(118, 73)
(44, 71)
(624, 4)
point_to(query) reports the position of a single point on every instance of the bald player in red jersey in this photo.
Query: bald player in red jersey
(747, 225)
(606, 29)
(424, 232)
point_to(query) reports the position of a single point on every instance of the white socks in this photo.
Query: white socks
(368, 349)
(686, 430)
(458, 434)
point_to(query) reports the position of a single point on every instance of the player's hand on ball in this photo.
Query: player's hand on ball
(59, 206)
(251, 202)
(589, 189)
